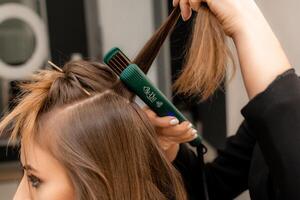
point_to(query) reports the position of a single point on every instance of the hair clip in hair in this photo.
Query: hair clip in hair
(78, 84)
(55, 66)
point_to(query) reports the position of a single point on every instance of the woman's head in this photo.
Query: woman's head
(102, 145)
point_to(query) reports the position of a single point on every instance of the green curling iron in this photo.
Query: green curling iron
(136, 81)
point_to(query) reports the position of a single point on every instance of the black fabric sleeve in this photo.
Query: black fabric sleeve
(272, 119)
(186, 164)
(274, 116)
(227, 176)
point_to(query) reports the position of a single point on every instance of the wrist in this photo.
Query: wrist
(250, 27)
(247, 17)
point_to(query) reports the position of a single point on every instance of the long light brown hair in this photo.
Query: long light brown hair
(207, 55)
(105, 141)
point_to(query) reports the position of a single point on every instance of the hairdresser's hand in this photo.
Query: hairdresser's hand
(234, 15)
(170, 133)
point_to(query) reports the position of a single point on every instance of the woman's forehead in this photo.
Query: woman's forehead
(39, 158)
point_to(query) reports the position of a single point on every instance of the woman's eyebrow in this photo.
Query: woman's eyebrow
(29, 168)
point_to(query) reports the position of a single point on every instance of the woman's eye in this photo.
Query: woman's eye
(35, 181)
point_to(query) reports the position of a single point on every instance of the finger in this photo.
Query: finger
(160, 122)
(175, 130)
(186, 137)
(175, 2)
(186, 11)
(195, 4)
(165, 122)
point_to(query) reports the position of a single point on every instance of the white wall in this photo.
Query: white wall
(127, 25)
(7, 189)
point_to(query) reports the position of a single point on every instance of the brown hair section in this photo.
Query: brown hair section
(48, 89)
(116, 155)
(149, 52)
(207, 57)
(207, 54)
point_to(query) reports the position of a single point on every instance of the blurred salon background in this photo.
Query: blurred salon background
(35, 31)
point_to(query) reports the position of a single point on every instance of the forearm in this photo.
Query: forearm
(261, 56)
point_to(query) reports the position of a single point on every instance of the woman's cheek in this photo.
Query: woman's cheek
(53, 191)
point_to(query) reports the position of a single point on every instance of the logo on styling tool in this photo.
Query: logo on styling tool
(151, 96)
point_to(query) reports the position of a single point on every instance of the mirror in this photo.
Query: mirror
(17, 42)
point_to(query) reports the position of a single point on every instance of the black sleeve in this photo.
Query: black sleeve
(272, 119)
(227, 176)
(274, 116)
(186, 164)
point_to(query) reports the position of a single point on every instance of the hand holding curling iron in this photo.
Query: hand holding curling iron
(170, 132)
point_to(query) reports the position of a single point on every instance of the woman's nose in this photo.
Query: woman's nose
(22, 192)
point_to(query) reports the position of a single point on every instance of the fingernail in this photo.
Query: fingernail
(195, 135)
(195, 6)
(174, 121)
(194, 131)
(190, 125)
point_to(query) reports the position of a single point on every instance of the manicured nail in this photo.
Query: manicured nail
(174, 121)
(164, 147)
(195, 135)
(194, 131)
(190, 125)
(195, 5)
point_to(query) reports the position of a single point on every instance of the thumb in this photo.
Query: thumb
(195, 4)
